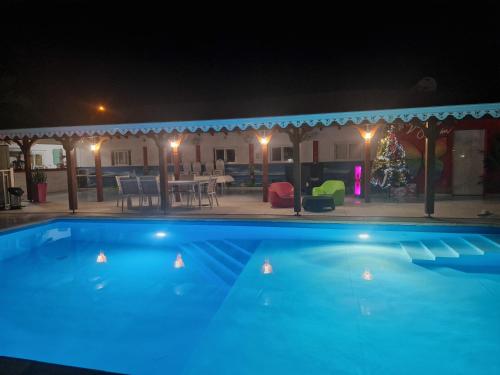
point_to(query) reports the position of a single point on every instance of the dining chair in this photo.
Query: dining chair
(130, 188)
(197, 168)
(149, 189)
(212, 191)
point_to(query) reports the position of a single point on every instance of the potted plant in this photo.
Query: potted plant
(40, 185)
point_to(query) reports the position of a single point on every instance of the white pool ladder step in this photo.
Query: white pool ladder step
(417, 251)
(439, 249)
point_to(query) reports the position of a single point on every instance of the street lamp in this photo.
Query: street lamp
(101, 108)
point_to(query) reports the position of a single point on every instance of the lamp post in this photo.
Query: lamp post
(368, 135)
(264, 141)
(95, 147)
(174, 144)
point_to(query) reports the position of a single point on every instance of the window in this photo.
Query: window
(37, 160)
(226, 154)
(121, 157)
(281, 153)
(57, 156)
(347, 151)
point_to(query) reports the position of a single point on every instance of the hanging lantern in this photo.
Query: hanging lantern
(267, 268)
(101, 258)
(179, 263)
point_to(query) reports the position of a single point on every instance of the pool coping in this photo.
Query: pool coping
(404, 222)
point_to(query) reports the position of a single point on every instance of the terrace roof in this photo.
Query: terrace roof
(326, 119)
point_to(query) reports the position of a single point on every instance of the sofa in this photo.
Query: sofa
(280, 194)
(334, 188)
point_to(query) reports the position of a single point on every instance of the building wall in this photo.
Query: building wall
(57, 180)
(327, 138)
(42, 149)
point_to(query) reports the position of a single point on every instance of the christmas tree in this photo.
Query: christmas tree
(389, 167)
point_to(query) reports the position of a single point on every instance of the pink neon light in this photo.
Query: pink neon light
(357, 180)
(357, 172)
(357, 188)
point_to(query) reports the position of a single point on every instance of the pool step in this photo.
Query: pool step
(193, 260)
(217, 267)
(462, 247)
(416, 250)
(495, 238)
(469, 250)
(486, 244)
(218, 258)
(223, 259)
(439, 249)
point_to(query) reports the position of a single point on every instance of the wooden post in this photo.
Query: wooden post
(315, 151)
(69, 147)
(98, 170)
(265, 172)
(250, 155)
(175, 159)
(198, 153)
(145, 158)
(98, 175)
(25, 146)
(297, 178)
(161, 141)
(431, 132)
(367, 172)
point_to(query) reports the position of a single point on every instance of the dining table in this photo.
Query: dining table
(197, 183)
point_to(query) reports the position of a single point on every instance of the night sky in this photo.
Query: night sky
(61, 59)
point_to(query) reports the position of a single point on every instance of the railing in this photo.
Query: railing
(6, 181)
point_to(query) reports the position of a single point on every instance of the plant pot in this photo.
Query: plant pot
(41, 192)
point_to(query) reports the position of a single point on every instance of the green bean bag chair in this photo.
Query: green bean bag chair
(335, 188)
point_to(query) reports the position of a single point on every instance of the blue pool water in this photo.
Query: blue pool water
(341, 298)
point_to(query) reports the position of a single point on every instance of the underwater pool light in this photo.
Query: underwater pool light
(101, 258)
(363, 236)
(179, 263)
(267, 268)
(367, 275)
(161, 234)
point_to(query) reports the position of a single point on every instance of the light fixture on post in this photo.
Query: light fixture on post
(101, 108)
(174, 144)
(93, 145)
(367, 134)
(264, 140)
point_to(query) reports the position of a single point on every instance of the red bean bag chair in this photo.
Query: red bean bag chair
(280, 194)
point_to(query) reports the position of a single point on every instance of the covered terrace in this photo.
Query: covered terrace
(430, 120)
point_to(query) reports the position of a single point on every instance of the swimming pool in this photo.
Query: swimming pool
(225, 297)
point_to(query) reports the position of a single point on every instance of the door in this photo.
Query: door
(468, 162)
